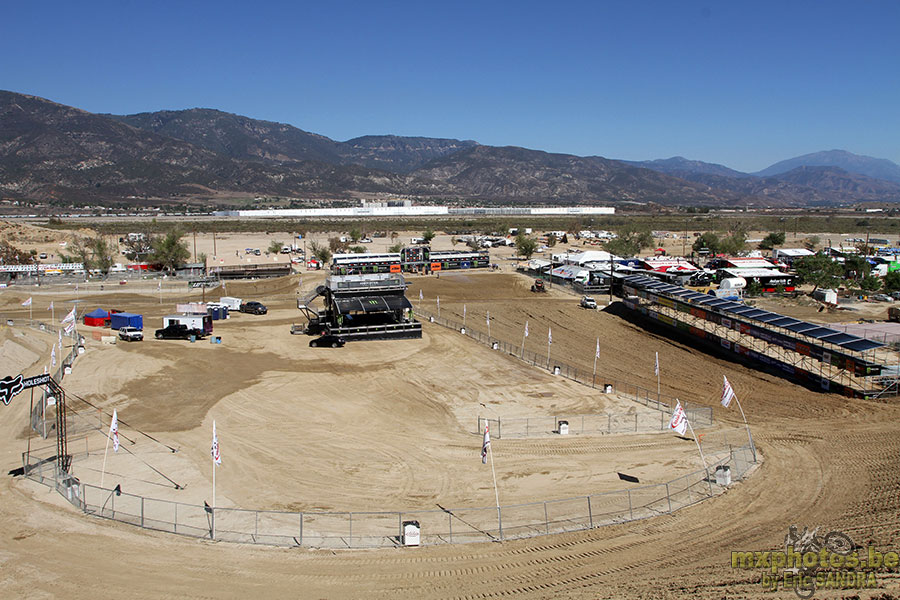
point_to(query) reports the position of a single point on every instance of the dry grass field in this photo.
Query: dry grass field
(391, 425)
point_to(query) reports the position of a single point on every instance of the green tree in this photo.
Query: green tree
(708, 241)
(321, 252)
(551, 240)
(525, 246)
(396, 247)
(428, 235)
(336, 245)
(103, 255)
(357, 249)
(811, 242)
(733, 243)
(892, 281)
(630, 241)
(870, 283)
(773, 239)
(819, 270)
(355, 235)
(169, 251)
(856, 268)
(274, 247)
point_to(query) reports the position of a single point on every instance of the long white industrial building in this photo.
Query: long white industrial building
(415, 211)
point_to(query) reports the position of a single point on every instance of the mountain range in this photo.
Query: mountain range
(65, 156)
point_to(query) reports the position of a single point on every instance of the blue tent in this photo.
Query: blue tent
(122, 319)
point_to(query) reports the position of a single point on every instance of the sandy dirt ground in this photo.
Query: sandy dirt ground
(829, 461)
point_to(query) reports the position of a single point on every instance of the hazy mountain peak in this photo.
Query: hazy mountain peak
(879, 168)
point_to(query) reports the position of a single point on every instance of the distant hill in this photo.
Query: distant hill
(63, 155)
(879, 168)
(272, 143)
(396, 153)
(679, 166)
(237, 137)
(806, 186)
(519, 174)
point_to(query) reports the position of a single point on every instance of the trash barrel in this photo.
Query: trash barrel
(556, 370)
(607, 388)
(462, 330)
(723, 476)
(495, 345)
(193, 338)
(563, 428)
(411, 533)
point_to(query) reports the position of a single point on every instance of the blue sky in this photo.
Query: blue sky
(744, 84)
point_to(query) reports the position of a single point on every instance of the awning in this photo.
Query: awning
(372, 304)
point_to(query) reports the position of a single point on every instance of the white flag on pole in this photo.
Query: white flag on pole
(114, 431)
(657, 365)
(727, 392)
(485, 444)
(439, 301)
(598, 348)
(70, 328)
(678, 421)
(549, 336)
(69, 318)
(53, 356)
(526, 328)
(51, 305)
(487, 318)
(214, 451)
(27, 302)
(464, 311)
(420, 295)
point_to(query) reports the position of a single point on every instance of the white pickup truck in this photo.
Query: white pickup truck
(131, 334)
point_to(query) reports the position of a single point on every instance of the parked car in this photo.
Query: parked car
(326, 341)
(882, 298)
(254, 308)
(588, 302)
(131, 334)
(177, 331)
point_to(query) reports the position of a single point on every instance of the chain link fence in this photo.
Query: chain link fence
(588, 424)
(337, 530)
(698, 415)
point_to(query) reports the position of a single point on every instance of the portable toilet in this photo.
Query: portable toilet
(411, 533)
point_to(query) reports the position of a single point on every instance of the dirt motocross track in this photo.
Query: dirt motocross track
(829, 461)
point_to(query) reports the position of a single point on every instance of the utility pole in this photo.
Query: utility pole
(214, 243)
(194, 228)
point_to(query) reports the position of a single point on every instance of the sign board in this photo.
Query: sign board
(10, 386)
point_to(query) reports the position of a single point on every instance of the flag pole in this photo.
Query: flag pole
(488, 317)
(657, 379)
(213, 509)
(105, 453)
(524, 335)
(548, 348)
(749, 435)
(596, 356)
(496, 493)
(702, 458)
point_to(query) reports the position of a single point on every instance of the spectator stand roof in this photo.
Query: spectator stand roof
(818, 332)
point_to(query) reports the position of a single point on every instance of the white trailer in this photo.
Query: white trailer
(231, 303)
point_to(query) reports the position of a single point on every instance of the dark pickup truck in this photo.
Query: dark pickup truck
(253, 308)
(177, 331)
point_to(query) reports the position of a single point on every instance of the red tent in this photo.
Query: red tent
(97, 318)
